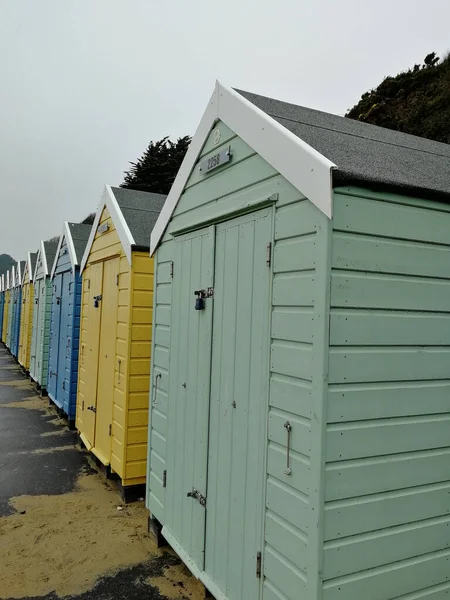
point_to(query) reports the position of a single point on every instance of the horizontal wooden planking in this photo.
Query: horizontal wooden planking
(343, 518)
(363, 364)
(300, 475)
(284, 575)
(140, 349)
(159, 422)
(122, 331)
(389, 292)
(123, 298)
(297, 219)
(240, 152)
(245, 174)
(161, 357)
(137, 418)
(141, 332)
(386, 436)
(372, 217)
(164, 293)
(380, 255)
(291, 394)
(140, 314)
(140, 298)
(271, 592)
(287, 540)
(142, 265)
(384, 196)
(159, 400)
(135, 470)
(139, 383)
(288, 503)
(300, 439)
(294, 289)
(291, 358)
(139, 366)
(293, 324)
(164, 251)
(383, 400)
(159, 443)
(137, 400)
(143, 282)
(137, 435)
(349, 479)
(162, 315)
(295, 254)
(391, 581)
(162, 335)
(388, 328)
(362, 552)
(157, 495)
(245, 198)
(136, 452)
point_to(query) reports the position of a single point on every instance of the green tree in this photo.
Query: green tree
(6, 262)
(416, 101)
(156, 170)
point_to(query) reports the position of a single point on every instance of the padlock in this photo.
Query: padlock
(95, 303)
(199, 303)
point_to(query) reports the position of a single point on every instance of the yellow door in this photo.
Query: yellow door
(89, 347)
(106, 367)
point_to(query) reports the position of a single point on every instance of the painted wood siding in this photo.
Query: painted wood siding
(299, 335)
(139, 366)
(119, 413)
(73, 333)
(26, 320)
(46, 337)
(6, 306)
(63, 259)
(387, 511)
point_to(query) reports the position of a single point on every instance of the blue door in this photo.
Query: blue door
(16, 331)
(55, 326)
(2, 303)
(65, 342)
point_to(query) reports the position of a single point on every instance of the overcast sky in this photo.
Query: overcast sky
(86, 84)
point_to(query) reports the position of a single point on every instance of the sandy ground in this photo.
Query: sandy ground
(83, 543)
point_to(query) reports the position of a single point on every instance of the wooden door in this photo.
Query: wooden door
(89, 348)
(238, 405)
(107, 353)
(36, 299)
(190, 360)
(64, 338)
(54, 349)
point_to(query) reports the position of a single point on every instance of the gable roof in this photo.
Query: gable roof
(134, 214)
(363, 152)
(315, 150)
(20, 271)
(47, 252)
(76, 236)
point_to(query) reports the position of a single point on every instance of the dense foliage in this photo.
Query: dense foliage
(416, 101)
(155, 171)
(6, 262)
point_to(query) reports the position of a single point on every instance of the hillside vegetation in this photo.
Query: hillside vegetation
(416, 101)
(6, 262)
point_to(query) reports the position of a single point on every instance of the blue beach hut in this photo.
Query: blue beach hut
(65, 318)
(16, 307)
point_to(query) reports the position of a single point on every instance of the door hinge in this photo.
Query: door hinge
(164, 478)
(110, 429)
(258, 564)
(269, 254)
(171, 269)
(117, 279)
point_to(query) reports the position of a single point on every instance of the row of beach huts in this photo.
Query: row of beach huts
(266, 350)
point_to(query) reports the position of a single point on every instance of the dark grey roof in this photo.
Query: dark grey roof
(33, 258)
(22, 269)
(364, 152)
(50, 247)
(140, 211)
(80, 235)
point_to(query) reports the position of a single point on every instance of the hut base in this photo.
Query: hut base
(154, 529)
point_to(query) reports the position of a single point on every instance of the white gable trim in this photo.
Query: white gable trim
(70, 246)
(61, 237)
(13, 277)
(304, 167)
(123, 231)
(2, 283)
(30, 267)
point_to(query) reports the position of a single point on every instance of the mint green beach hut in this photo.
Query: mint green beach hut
(41, 313)
(299, 429)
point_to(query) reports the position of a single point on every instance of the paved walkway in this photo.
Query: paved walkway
(64, 531)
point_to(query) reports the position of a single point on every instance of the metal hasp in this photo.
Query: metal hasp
(97, 300)
(196, 495)
(94, 410)
(288, 427)
(201, 295)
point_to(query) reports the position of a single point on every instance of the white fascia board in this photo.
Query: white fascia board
(18, 275)
(13, 277)
(44, 258)
(304, 167)
(123, 231)
(73, 255)
(92, 235)
(208, 119)
(2, 283)
(30, 267)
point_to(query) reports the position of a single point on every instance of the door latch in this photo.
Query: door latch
(201, 295)
(94, 410)
(196, 495)
(97, 300)
(288, 428)
(58, 299)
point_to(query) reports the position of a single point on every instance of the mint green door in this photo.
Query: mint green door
(218, 402)
(238, 405)
(35, 327)
(189, 368)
